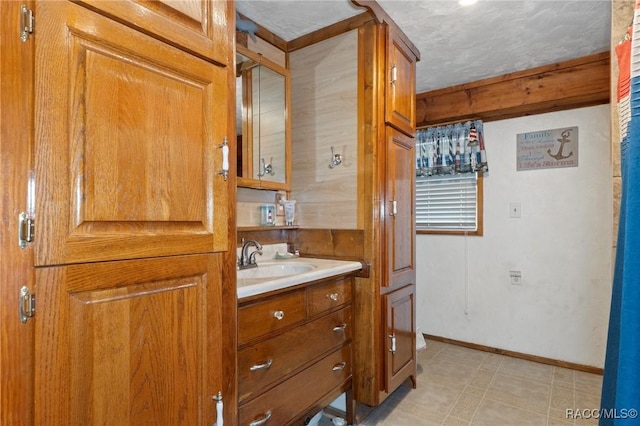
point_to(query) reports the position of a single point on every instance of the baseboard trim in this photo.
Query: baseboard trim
(528, 357)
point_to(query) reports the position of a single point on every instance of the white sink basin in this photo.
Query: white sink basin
(274, 270)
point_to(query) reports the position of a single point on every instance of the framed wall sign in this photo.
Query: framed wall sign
(547, 149)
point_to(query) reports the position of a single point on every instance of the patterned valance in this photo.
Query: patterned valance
(450, 149)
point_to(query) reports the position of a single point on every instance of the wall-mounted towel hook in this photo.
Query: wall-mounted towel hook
(336, 159)
(267, 168)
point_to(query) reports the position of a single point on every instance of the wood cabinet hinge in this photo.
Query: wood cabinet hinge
(27, 302)
(27, 22)
(26, 229)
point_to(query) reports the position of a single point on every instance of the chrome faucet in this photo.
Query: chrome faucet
(249, 260)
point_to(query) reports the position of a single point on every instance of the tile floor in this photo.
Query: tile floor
(462, 386)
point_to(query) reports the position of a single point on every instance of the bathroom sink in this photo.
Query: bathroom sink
(275, 269)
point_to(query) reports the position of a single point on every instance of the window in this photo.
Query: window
(449, 204)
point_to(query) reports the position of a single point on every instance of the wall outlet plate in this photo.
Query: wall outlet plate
(516, 277)
(515, 210)
(280, 207)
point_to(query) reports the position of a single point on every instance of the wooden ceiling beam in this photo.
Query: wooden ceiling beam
(564, 85)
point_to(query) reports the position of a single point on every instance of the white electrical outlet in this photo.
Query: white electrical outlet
(280, 207)
(515, 210)
(516, 277)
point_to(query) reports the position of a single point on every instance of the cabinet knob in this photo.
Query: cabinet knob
(278, 315)
(261, 421)
(334, 296)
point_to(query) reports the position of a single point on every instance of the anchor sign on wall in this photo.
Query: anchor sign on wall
(547, 149)
(563, 140)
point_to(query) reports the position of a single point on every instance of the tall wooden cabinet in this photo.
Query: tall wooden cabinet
(385, 355)
(134, 244)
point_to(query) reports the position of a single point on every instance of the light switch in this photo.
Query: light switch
(516, 277)
(514, 210)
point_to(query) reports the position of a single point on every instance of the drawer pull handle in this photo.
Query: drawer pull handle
(262, 421)
(340, 327)
(225, 159)
(334, 296)
(219, 409)
(261, 366)
(278, 315)
(340, 366)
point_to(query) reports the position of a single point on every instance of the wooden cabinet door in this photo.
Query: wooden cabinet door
(400, 201)
(130, 342)
(400, 102)
(198, 26)
(128, 142)
(400, 337)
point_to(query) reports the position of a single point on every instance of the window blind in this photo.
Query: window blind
(447, 202)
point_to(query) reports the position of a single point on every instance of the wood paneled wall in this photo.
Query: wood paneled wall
(248, 206)
(324, 115)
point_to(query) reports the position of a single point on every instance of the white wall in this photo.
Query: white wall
(562, 244)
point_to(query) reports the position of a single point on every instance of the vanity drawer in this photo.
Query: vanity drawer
(291, 398)
(276, 357)
(329, 295)
(270, 314)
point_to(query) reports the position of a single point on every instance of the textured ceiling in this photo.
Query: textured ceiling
(461, 44)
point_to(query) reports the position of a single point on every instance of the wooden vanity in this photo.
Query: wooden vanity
(294, 351)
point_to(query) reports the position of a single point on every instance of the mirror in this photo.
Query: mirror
(262, 122)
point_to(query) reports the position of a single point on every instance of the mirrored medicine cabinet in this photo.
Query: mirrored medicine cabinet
(262, 122)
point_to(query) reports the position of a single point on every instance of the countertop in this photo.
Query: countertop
(322, 268)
